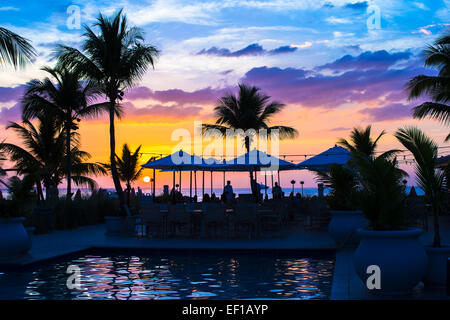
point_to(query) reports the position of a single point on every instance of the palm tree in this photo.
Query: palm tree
(128, 167)
(361, 141)
(69, 100)
(15, 50)
(43, 155)
(249, 110)
(431, 180)
(343, 185)
(115, 58)
(381, 190)
(436, 87)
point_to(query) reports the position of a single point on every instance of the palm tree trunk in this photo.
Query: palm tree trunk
(112, 143)
(128, 193)
(247, 148)
(69, 163)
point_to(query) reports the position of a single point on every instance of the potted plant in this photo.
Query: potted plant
(14, 239)
(387, 242)
(345, 218)
(432, 181)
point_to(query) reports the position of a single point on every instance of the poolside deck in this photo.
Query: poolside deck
(346, 284)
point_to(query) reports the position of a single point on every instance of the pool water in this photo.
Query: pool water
(169, 275)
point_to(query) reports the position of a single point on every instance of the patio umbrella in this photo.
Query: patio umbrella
(257, 160)
(322, 161)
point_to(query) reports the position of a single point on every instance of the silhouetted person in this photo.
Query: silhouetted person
(276, 191)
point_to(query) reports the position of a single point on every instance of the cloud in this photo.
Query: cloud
(334, 20)
(161, 111)
(364, 82)
(394, 111)
(340, 129)
(367, 60)
(11, 93)
(9, 8)
(250, 50)
(203, 96)
(13, 114)
(363, 5)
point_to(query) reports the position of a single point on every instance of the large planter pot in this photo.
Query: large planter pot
(14, 240)
(344, 225)
(436, 275)
(43, 219)
(399, 255)
(119, 226)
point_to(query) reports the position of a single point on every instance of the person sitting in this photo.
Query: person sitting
(276, 191)
(213, 197)
(206, 197)
(228, 191)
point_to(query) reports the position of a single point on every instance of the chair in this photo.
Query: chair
(178, 220)
(216, 219)
(244, 217)
(154, 220)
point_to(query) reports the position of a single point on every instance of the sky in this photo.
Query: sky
(336, 64)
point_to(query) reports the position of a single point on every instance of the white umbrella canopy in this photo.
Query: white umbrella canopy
(322, 161)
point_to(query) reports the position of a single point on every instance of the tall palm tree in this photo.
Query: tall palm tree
(128, 167)
(69, 99)
(361, 141)
(250, 109)
(43, 155)
(15, 50)
(116, 59)
(431, 180)
(436, 87)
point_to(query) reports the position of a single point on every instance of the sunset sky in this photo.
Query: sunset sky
(320, 58)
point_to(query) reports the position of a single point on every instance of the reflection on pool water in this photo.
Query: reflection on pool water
(206, 275)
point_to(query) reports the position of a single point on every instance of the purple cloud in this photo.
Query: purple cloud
(394, 111)
(313, 89)
(158, 110)
(13, 113)
(11, 94)
(203, 96)
(251, 50)
(367, 60)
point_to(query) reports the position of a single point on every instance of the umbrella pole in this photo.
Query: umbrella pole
(173, 185)
(203, 183)
(265, 182)
(211, 183)
(179, 181)
(279, 178)
(154, 181)
(195, 182)
(272, 178)
(224, 179)
(190, 184)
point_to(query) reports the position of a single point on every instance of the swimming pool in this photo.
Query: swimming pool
(175, 275)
